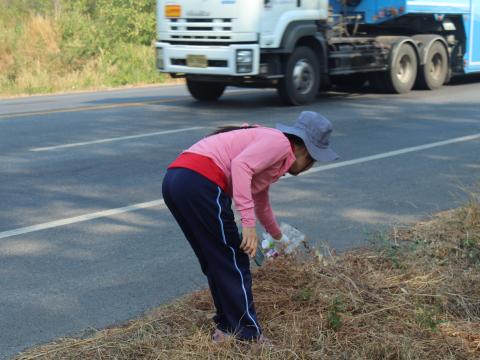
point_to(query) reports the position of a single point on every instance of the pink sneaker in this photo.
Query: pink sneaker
(220, 336)
(264, 341)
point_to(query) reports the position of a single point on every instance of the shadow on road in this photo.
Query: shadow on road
(77, 274)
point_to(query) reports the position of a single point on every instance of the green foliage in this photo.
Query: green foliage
(334, 310)
(127, 21)
(305, 294)
(80, 39)
(129, 64)
(380, 241)
(427, 318)
(131, 21)
(92, 27)
(471, 247)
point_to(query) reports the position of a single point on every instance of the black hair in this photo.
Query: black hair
(227, 128)
(295, 139)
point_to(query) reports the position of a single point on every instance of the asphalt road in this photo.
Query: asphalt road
(86, 241)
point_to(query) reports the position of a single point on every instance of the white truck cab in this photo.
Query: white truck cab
(221, 42)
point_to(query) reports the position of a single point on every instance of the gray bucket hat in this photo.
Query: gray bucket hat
(314, 130)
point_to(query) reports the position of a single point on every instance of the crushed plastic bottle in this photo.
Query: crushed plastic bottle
(267, 249)
(270, 248)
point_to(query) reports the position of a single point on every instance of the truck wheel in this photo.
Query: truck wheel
(403, 70)
(434, 73)
(301, 82)
(401, 75)
(204, 90)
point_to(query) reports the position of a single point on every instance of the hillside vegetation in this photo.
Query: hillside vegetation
(60, 45)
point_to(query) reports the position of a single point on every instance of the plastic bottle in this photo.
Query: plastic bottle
(291, 239)
(295, 237)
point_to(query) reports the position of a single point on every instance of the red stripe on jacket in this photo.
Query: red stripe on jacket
(202, 165)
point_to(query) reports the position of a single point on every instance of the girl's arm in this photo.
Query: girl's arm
(254, 159)
(265, 215)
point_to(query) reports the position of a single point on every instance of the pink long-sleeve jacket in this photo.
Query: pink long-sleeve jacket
(251, 159)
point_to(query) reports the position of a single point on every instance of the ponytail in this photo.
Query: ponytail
(227, 128)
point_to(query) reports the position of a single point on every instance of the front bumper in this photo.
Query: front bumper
(221, 59)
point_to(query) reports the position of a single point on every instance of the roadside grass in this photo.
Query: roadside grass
(415, 294)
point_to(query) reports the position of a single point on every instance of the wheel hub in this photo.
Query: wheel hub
(404, 72)
(436, 66)
(303, 76)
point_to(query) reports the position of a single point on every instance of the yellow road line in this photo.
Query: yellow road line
(106, 107)
(86, 108)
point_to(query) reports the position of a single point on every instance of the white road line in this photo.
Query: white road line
(161, 203)
(394, 153)
(81, 218)
(48, 148)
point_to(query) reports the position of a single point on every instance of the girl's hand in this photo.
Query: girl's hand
(249, 241)
(278, 237)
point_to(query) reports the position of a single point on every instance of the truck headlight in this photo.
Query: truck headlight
(244, 61)
(160, 58)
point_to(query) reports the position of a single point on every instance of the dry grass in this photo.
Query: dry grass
(415, 295)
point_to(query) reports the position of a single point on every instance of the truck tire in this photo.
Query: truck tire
(302, 77)
(434, 73)
(204, 90)
(402, 72)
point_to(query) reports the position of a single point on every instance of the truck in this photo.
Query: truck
(302, 47)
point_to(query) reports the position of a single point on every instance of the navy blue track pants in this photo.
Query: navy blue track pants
(204, 212)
